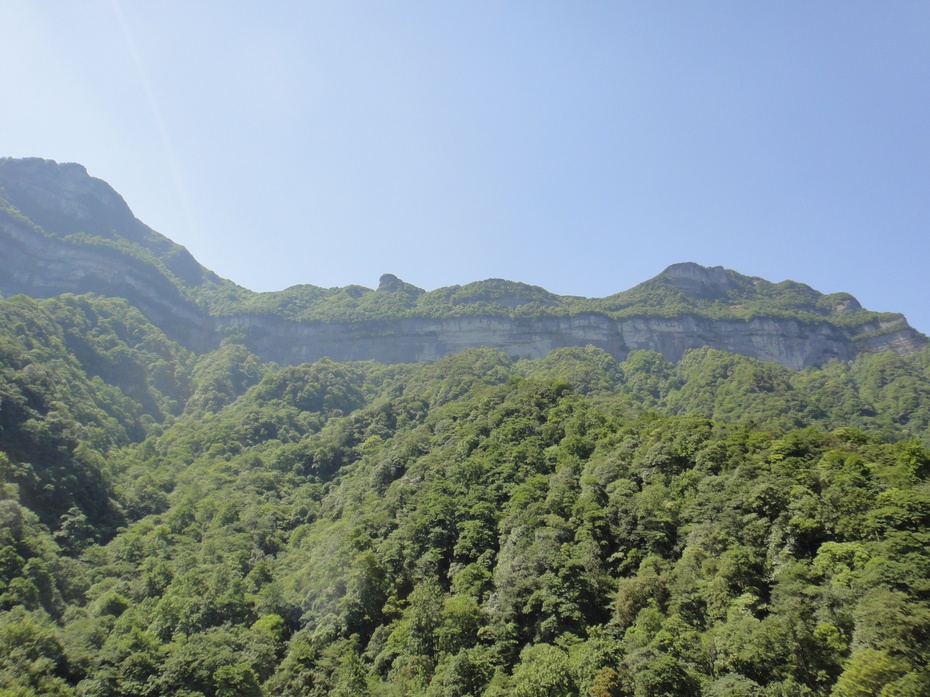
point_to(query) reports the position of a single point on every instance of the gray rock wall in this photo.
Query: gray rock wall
(787, 342)
(41, 266)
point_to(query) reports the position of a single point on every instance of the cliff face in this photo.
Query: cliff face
(61, 231)
(42, 266)
(787, 342)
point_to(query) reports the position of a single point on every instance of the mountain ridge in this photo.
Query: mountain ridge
(63, 231)
(175, 522)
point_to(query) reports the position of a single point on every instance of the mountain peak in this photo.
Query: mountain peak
(64, 199)
(389, 283)
(698, 281)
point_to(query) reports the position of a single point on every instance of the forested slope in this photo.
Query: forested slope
(181, 524)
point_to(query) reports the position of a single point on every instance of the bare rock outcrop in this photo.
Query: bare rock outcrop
(62, 231)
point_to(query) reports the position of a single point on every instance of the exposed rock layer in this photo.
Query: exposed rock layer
(788, 342)
(163, 283)
(42, 267)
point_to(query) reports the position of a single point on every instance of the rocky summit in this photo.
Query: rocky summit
(63, 231)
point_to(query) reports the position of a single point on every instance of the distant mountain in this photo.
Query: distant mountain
(63, 231)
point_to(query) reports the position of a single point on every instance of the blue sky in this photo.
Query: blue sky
(582, 147)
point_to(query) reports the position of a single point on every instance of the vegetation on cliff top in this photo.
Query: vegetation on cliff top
(750, 298)
(96, 216)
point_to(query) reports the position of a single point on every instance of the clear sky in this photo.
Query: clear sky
(579, 146)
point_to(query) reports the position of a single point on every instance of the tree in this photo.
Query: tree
(543, 671)
(867, 671)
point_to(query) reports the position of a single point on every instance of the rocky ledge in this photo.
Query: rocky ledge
(788, 342)
(62, 231)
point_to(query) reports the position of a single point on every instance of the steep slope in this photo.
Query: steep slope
(205, 523)
(64, 231)
(449, 528)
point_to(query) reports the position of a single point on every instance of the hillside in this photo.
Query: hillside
(181, 516)
(215, 525)
(64, 231)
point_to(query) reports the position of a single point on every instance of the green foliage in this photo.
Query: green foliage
(32, 660)
(543, 671)
(744, 298)
(180, 524)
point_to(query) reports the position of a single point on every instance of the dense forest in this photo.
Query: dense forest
(212, 525)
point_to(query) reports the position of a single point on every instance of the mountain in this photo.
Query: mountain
(64, 231)
(180, 516)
